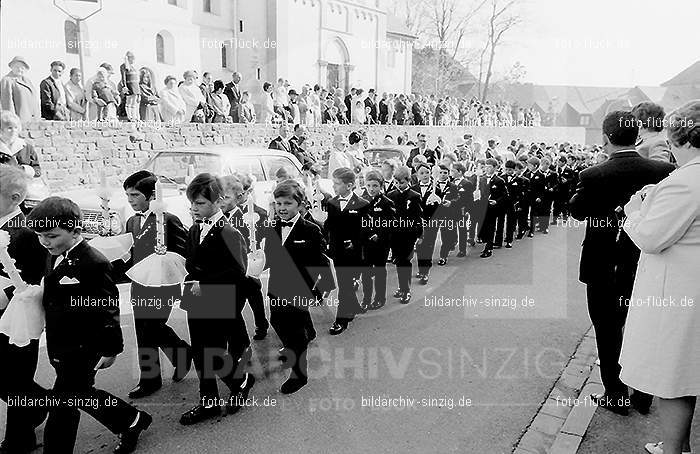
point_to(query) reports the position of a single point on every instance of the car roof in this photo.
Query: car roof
(223, 150)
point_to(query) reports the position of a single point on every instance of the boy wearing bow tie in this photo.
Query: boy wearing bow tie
(213, 297)
(31, 260)
(407, 203)
(81, 303)
(294, 255)
(381, 215)
(426, 244)
(496, 194)
(343, 228)
(462, 206)
(237, 189)
(537, 196)
(445, 213)
(152, 332)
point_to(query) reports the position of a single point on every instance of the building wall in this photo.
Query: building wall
(72, 154)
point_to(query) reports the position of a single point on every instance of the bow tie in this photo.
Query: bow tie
(204, 221)
(287, 223)
(426, 185)
(142, 214)
(343, 200)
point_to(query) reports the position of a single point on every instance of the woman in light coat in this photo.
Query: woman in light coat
(172, 106)
(76, 101)
(191, 94)
(661, 348)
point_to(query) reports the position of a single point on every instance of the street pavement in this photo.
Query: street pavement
(477, 374)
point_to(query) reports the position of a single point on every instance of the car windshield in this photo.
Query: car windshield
(174, 167)
(375, 157)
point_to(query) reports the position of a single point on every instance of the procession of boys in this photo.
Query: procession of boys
(313, 245)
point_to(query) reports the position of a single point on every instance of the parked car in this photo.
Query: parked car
(378, 154)
(175, 169)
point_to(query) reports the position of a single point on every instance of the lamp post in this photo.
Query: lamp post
(79, 11)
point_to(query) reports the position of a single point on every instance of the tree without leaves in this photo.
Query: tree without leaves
(502, 18)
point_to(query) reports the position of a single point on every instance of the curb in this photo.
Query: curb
(562, 420)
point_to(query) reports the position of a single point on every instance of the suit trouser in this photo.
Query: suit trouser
(294, 328)
(425, 249)
(17, 382)
(347, 269)
(218, 345)
(561, 203)
(500, 224)
(608, 316)
(477, 216)
(254, 296)
(448, 236)
(375, 260)
(488, 231)
(522, 214)
(402, 246)
(463, 228)
(539, 215)
(75, 387)
(510, 220)
(153, 333)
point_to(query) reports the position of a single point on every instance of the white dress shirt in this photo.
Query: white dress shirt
(65, 254)
(207, 223)
(287, 230)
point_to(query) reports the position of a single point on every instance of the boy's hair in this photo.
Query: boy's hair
(418, 158)
(519, 165)
(451, 156)
(55, 212)
(147, 186)
(14, 181)
(230, 183)
(390, 163)
(281, 173)
(206, 185)
(134, 178)
(459, 167)
(534, 161)
(290, 188)
(491, 162)
(373, 175)
(245, 179)
(443, 167)
(402, 173)
(421, 165)
(344, 174)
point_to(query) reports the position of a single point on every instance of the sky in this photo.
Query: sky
(616, 43)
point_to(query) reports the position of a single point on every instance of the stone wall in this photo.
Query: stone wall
(72, 154)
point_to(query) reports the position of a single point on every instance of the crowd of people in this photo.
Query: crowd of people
(316, 243)
(136, 96)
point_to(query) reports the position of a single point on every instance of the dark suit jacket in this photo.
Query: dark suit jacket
(417, 111)
(429, 156)
(299, 152)
(145, 237)
(295, 265)
(465, 195)
(409, 210)
(29, 255)
(496, 190)
(383, 111)
(82, 316)
(381, 215)
(49, 94)
(372, 109)
(219, 263)
(234, 96)
(601, 190)
(238, 220)
(344, 229)
(280, 144)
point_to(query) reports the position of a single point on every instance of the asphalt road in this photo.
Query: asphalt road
(477, 374)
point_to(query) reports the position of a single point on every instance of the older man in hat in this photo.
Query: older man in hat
(17, 93)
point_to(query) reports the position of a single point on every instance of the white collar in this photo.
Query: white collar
(146, 214)
(215, 218)
(293, 221)
(5, 219)
(13, 148)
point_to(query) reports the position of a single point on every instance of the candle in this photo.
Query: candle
(160, 221)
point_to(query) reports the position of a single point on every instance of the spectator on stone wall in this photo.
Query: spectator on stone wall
(232, 90)
(17, 93)
(130, 86)
(148, 100)
(14, 150)
(207, 88)
(268, 104)
(104, 96)
(192, 95)
(172, 106)
(52, 94)
(220, 103)
(246, 110)
(76, 100)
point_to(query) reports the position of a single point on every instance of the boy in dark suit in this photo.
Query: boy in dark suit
(538, 195)
(521, 201)
(496, 195)
(294, 254)
(465, 196)
(445, 213)
(81, 303)
(31, 263)
(213, 297)
(237, 189)
(516, 194)
(343, 228)
(409, 216)
(426, 244)
(152, 305)
(551, 180)
(381, 216)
